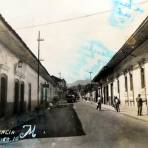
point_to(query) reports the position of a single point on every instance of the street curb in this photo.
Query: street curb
(133, 117)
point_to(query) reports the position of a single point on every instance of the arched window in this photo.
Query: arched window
(3, 94)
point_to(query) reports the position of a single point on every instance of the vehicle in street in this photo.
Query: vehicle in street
(70, 98)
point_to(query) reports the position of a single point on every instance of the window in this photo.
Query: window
(3, 94)
(29, 97)
(111, 89)
(142, 78)
(126, 87)
(131, 82)
(22, 103)
(16, 96)
(42, 93)
(46, 95)
(118, 85)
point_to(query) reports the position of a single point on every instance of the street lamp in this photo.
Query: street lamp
(20, 64)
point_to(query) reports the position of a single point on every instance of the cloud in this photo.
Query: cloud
(92, 56)
(123, 12)
(74, 47)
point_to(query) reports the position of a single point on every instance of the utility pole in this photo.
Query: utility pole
(90, 74)
(59, 74)
(61, 91)
(38, 81)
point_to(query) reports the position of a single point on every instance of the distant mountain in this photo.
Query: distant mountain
(81, 82)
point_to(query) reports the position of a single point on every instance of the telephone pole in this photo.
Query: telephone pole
(38, 81)
(59, 74)
(90, 74)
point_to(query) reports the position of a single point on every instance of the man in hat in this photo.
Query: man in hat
(139, 104)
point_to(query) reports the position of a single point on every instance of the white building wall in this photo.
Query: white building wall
(8, 63)
(136, 82)
(50, 92)
(131, 95)
(122, 88)
(31, 77)
(115, 88)
(109, 89)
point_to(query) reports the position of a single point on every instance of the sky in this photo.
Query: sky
(80, 36)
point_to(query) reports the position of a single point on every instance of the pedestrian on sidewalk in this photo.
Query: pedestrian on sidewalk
(99, 102)
(117, 103)
(139, 104)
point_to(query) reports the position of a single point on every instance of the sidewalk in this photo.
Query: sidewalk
(124, 109)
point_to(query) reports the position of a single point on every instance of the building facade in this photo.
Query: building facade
(18, 75)
(126, 74)
(61, 86)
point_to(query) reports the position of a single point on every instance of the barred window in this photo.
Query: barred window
(131, 82)
(126, 87)
(118, 84)
(142, 78)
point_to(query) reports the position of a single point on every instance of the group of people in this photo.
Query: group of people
(117, 102)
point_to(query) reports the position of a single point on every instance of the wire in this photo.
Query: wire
(64, 20)
(68, 19)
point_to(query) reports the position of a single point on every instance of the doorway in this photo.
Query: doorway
(16, 96)
(22, 97)
(3, 94)
(29, 97)
(111, 89)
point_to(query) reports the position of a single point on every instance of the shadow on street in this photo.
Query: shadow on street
(61, 121)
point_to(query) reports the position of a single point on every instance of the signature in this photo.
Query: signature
(26, 131)
(30, 131)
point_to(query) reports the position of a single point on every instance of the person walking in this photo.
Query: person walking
(139, 104)
(117, 104)
(99, 103)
